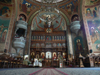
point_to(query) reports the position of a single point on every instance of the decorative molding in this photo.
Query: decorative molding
(11, 25)
(86, 26)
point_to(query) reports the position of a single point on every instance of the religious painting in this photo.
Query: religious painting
(78, 44)
(42, 55)
(48, 38)
(48, 55)
(25, 6)
(42, 38)
(63, 37)
(34, 37)
(58, 24)
(54, 56)
(32, 55)
(59, 45)
(60, 57)
(92, 13)
(63, 45)
(64, 55)
(89, 13)
(37, 56)
(54, 44)
(55, 37)
(48, 45)
(4, 24)
(95, 12)
(94, 29)
(5, 12)
(91, 2)
(71, 7)
(42, 45)
(37, 45)
(26, 57)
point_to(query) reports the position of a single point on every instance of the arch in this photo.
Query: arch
(74, 17)
(34, 12)
(24, 14)
(48, 54)
(31, 15)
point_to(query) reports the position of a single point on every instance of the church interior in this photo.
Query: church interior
(50, 35)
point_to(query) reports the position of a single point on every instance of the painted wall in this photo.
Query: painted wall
(59, 23)
(5, 16)
(26, 7)
(91, 8)
(71, 7)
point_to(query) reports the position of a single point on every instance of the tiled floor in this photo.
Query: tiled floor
(50, 71)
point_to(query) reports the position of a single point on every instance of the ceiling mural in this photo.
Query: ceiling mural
(26, 7)
(54, 1)
(58, 24)
(91, 2)
(59, 1)
(6, 1)
(71, 7)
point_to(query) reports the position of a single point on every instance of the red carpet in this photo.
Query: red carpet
(48, 71)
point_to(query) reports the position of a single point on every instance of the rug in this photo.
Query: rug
(48, 71)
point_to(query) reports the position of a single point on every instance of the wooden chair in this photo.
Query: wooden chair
(96, 61)
(4, 60)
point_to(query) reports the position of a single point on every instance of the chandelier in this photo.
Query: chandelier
(49, 6)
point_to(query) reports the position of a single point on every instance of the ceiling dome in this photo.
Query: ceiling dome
(54, 1)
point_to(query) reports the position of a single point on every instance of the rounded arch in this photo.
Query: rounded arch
(34, 12)
(31, 15)
(75, 17)
(66, 16)
(24, 15)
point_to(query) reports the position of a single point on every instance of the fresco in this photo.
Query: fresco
(93, 12)
(94, 28)
(5, 15)
(71, 7)
(4, 24)
(5, 12)
(91, 2)
(78, 42)
(26, 6)
(5, 1)
(59, 23)
(93, 21)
